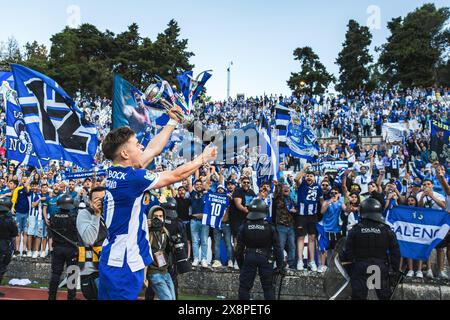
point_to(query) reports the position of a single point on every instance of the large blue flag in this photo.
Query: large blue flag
(130, 109)
(18, 142)
(58, 129)
(418, 230)
(295, 134)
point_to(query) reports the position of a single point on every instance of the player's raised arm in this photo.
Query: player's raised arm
(184, 171)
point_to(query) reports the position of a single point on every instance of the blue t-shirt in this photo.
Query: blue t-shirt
(331, 218)
(52, 207)
(216, 205)
(308, 199)
(126, 202)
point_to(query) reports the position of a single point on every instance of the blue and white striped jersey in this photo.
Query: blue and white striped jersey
(216, 205)
(308, 198)
(126, 201)
(36, 211)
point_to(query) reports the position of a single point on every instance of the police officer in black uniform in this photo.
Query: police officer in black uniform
(371, 243)
(257, 240)
(64, 232)
(8, 231)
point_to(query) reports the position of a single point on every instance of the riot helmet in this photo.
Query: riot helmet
(258, 210)
(65, 202)
(371, 209)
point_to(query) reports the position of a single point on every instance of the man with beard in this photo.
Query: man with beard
(309, 199)
(238, 210)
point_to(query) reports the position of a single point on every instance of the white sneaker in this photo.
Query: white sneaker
(230, 264)
(195, 263)
(443, 275)
(419, 274)
(43, 254)
(430, 274)
(217, 264)
(313, 266)
(300, 266)
(205, 264)
(29, 254)
(35, 255)
(322, 269)
(236, 266)
(410, 274)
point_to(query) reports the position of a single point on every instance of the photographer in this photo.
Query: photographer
(178, 256)
(92, 232)
(157, 274)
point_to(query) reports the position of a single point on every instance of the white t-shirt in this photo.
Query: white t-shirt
(429, 202)
(363, 181)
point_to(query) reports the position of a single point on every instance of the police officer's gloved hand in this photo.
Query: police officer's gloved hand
(281, 271)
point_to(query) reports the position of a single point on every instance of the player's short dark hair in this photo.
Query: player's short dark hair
(114, 140)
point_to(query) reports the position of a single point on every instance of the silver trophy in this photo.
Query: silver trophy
(154, 94)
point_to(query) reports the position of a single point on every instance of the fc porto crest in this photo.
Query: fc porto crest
(23, 143)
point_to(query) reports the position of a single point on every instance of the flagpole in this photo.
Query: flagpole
(40, 165)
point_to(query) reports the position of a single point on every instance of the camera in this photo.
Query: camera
(180, 255)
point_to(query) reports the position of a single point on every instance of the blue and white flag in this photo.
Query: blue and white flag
(216, 205)
(418, 230)
(295, 135)
(130, 109)
(58, 129)
(18, 142)
(267, 164)
(190, 87)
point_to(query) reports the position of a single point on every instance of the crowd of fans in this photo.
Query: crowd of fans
(404, 172)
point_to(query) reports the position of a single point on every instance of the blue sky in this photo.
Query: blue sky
(258, 36)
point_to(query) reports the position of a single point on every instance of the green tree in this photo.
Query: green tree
(36, 57)
(313, 73)
(63, 61)
(354, 58)
(170, 53)
(127, 47)
(415, 47)
(83, 60)
(80, 60)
